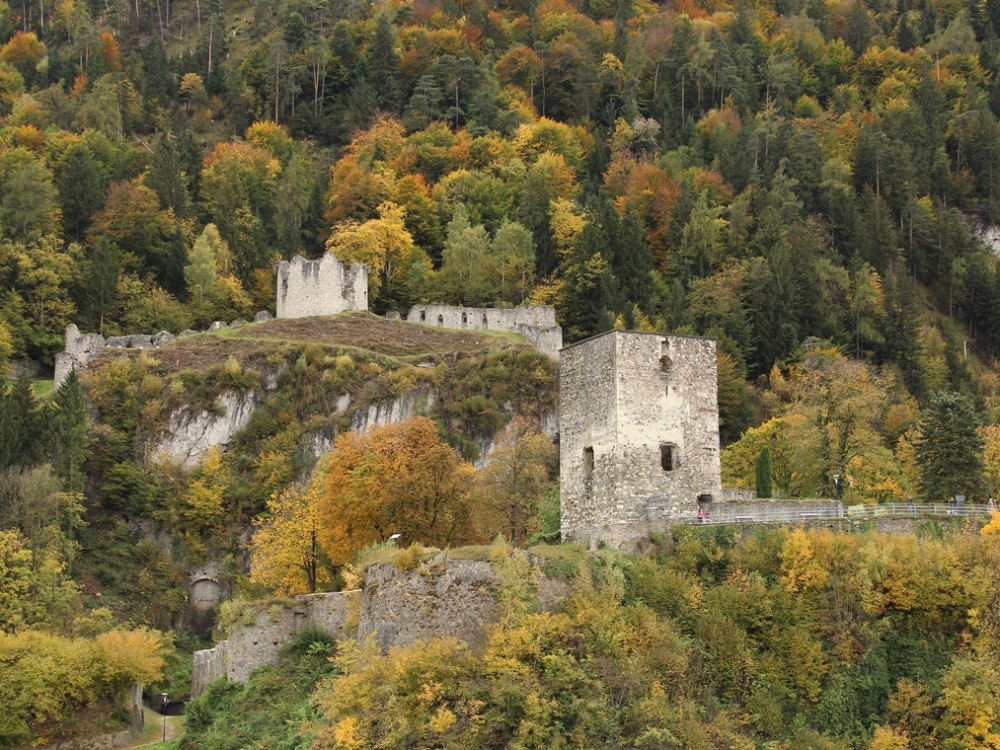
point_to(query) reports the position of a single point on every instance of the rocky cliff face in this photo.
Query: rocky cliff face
(190, 435)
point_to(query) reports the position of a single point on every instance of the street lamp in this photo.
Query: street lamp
(163, 709)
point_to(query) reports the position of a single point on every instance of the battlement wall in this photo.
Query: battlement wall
(536, 323)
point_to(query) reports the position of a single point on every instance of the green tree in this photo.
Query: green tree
(200, 270)
(166, 175)
(949, 448)
(68, 433)
(763, 473)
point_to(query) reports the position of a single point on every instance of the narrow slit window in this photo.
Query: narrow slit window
(588, 462)
(440, 320)
(465, 320)
(668, 457)
(423, 316)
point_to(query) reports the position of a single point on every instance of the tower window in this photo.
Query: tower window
(665, 364)
(423, 316)
(588, 462)
(440, 320)
(465, 320)
(668, 456)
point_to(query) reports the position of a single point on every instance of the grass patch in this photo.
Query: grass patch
(43, 389)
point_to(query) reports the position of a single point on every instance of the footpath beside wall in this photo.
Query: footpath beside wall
(536, 323)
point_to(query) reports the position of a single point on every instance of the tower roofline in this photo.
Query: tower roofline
(638, 333)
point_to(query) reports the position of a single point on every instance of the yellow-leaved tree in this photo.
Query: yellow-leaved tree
(287, 557)
(395, 479)
(515, 479)
(383, 244)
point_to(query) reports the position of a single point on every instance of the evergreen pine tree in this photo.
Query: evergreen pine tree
(763, 477)
(20, 424)
(68, 432)
(950, 450)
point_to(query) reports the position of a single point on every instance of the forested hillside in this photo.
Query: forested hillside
(804, 181)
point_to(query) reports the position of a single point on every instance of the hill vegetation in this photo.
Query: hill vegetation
(803, 180)
(787, 639)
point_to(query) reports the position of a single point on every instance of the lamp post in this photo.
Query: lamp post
(163, 709)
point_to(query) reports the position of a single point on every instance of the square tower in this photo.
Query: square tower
(638, 434)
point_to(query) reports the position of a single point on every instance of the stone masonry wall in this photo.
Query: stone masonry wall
(663, 392)
(249, 647)
(454, 597)
(320, 287)
(537, 323)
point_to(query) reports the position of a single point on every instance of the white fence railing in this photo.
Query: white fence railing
(819, 512)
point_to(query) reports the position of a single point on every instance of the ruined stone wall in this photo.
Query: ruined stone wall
(257, 644)
(207, 666)
(80, 349)
(320, 287)
(537, 323)
(639, 432)
(456, 598)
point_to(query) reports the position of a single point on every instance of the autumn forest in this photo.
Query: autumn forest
(813, 183)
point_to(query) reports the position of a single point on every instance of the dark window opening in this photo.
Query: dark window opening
(665, 364)
(440, 320)
(485, 323)
(668, 459)
(465, 320)
(588, 462)
(423, 316)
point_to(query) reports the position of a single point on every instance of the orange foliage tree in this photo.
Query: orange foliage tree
(396, 479)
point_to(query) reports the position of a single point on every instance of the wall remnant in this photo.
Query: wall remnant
(638, 434)
(252, 646)
(320, 287)
(449, 597)
(536, 323)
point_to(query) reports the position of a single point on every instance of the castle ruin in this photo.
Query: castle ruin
(638, 434)
(536, 323)
(320, 287)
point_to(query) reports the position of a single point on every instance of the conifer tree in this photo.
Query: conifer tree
(68, 432)
(949, 449)
(763, 475)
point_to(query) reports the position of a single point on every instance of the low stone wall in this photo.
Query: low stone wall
(536, 323)
(258, 644)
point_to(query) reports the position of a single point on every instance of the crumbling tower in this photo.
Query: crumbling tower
(638, 433)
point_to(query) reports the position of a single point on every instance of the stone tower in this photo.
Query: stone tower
(320, 287)
(638, 434)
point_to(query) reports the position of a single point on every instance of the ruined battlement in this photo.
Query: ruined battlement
(638, 434)
(536, 323)
(320, 287)
(80, 349)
